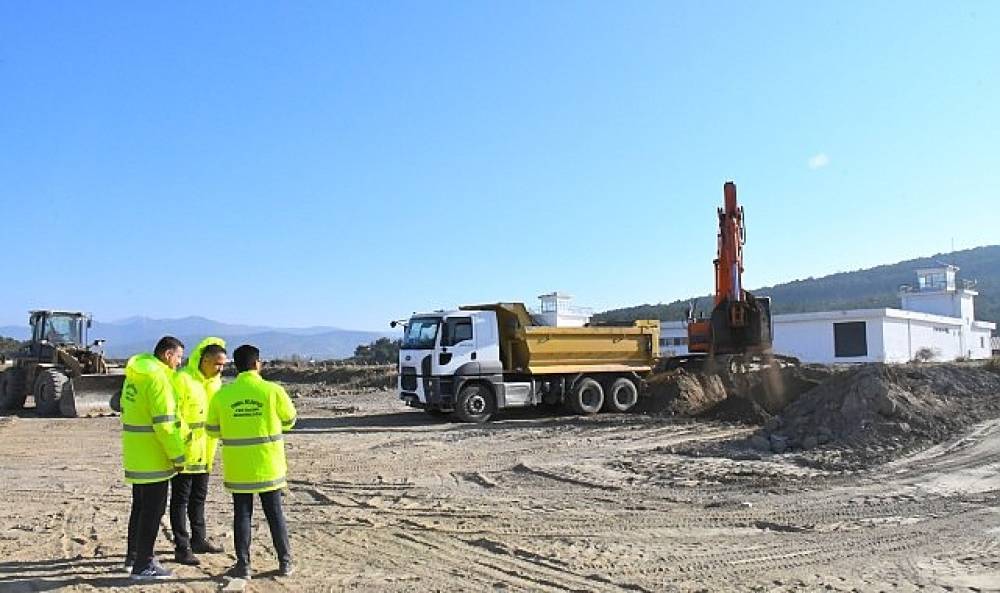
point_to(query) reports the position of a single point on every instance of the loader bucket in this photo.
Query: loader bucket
(90, 395)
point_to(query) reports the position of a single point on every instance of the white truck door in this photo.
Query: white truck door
(458, 345)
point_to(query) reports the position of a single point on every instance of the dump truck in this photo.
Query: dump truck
(478, 359)
(64, 373)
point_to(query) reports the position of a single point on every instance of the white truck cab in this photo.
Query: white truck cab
(443, 350)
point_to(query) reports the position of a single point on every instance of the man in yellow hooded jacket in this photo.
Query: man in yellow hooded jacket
(152, 450)
(194, 387)
(251, 416)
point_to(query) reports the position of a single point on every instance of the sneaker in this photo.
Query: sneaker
(206, 547)
(184, 556)
(129, 563)
(153, 571)
(286, 568)
(239, 571)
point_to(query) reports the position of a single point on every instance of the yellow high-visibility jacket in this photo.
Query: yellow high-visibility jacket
(194, 392)
(152, 440)
(250, 416)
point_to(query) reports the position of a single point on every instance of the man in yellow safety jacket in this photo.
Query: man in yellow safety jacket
(194, 386)
(250, 415)
(152, 450)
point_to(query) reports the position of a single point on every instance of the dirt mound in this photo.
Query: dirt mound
(741, 391)
(774, 386)
(739, 410)
(341, 377)
(678, 392)
(888, 408)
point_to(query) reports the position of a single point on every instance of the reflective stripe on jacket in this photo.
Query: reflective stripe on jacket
(152, 444)
(250, 416)
(194, 392)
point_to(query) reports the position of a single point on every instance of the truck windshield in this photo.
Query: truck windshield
(421, 333)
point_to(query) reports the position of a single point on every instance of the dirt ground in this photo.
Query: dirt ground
(383, 498)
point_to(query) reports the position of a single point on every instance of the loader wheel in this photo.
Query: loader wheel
(622, 396)
(475, 404)
(587, 397)
(12, 389)
(115, 403)
(49, 389)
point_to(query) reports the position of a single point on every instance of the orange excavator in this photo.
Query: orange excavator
(740, 323)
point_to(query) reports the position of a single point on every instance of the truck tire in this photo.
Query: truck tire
(621, 396)
(475, 404)
(49, 389)
(14, 392)
(587, 396)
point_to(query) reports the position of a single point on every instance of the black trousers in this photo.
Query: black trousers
(187, 502)
(149, 502)
(242, 516)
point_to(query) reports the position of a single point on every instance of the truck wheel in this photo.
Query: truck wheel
(49, 389)
(13, 392)
(475, 404)
(622, 396)
(587, 397)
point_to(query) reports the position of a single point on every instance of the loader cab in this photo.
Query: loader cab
(52, 329)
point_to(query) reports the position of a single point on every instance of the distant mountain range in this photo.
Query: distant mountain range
(869, 288)
(862, 289)
(139, 334)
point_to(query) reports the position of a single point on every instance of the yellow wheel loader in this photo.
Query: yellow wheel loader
(66, 375)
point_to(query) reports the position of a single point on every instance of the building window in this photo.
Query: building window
(850, 339)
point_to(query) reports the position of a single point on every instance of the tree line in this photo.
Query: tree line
(861, 289)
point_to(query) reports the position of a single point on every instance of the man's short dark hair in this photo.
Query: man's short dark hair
(166, 344)
(211, 350)
(245, 358)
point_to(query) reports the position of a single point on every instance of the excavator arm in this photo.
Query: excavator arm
(740, 322)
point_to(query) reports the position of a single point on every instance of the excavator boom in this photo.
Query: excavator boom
(740, 323)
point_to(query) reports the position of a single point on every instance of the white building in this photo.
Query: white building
(673, 338)
(936, 320)
(555, 311)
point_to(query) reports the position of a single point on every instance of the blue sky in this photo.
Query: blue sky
(348, 163)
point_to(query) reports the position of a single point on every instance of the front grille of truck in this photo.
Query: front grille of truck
(408, 379)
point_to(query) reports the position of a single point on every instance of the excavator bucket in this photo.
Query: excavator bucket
(90, 395)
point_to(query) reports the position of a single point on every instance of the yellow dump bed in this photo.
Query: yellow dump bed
(592, 349)
(541, 349)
